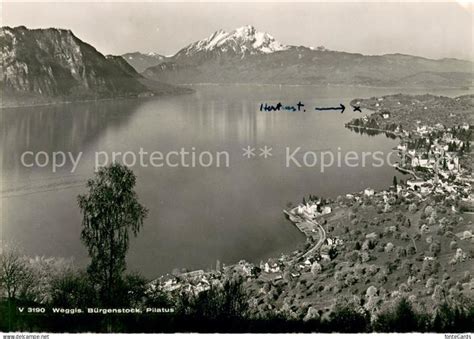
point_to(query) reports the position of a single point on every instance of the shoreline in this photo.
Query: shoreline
(397, 134)
(326, 85)
(82, 101)
(67, 102)
(185, 92)
(295, 256)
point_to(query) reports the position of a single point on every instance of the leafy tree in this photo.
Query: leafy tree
(111, 212)
(403, 318)
(134, 290)
(450, 318)
(347, 317)
(222, 303)
(439, 294)
(73, 289)
(401, 252)
(435, 248)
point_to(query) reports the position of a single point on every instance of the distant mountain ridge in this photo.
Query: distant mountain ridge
(141, 61)
(240, 42)
(246, 55)
(51, 65)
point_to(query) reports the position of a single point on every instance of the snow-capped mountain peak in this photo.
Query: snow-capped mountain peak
(241, 41)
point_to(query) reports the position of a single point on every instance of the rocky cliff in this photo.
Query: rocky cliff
(48, 65)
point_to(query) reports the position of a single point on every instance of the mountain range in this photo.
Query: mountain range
(246, 55)
(53, 65)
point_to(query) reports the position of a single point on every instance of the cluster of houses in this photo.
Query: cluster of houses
(310, 210)
(438, 161)
(425, 130)
(193, 282)
(418, 189)
(284, 266)
(437, 156)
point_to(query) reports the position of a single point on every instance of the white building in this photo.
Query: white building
(369, 192)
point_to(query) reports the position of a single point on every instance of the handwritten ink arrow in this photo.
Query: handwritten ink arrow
(341, 107)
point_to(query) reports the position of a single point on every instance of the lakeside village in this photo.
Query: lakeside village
(413, 240)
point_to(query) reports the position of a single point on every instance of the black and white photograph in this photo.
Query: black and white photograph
(280, 167)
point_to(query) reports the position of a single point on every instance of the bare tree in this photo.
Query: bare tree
(14, 271)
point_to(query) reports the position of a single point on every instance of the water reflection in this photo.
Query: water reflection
(372, 132)
(66, 128)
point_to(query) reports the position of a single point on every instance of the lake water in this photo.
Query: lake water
(197, 215)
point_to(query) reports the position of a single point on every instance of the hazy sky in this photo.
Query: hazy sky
(434, 30)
